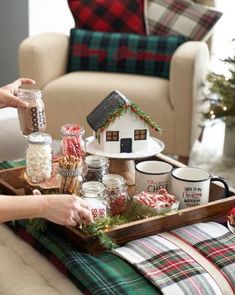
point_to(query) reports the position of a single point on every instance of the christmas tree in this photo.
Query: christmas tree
(220, 96)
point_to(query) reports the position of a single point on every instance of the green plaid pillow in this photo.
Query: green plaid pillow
(122, 52)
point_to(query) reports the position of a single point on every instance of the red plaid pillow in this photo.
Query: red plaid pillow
(180, 17)
(109, 15)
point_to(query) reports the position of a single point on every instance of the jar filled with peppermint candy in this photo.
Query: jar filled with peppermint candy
(94, 193)
(117, 196)
(72, 142)
(39, 157)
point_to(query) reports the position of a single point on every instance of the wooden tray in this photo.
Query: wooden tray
(12, 182)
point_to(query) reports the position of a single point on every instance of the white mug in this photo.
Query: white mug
(152, 175)
(191, 186)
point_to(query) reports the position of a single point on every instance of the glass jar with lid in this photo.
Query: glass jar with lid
(117, 195)
(72, 140)
(39, 157)
(33, 118)
(95, 168)
(94, 193)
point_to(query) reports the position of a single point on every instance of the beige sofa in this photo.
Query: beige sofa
(69, 97)
(23, 271)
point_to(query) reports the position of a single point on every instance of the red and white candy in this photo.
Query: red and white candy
(160, 199)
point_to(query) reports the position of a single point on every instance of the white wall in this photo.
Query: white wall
(49, 16)
(13, 29)
(223, 34)
(38, 17)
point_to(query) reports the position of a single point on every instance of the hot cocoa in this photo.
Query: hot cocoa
(32, 118)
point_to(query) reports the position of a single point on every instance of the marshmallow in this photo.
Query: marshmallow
(39, 157)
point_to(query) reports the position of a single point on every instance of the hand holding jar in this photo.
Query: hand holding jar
(31, 118)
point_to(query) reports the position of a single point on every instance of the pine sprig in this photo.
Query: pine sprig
(101, 225)
(139, 212)
(105, 241)
(120, 111)
(36, 225)
(143, 116)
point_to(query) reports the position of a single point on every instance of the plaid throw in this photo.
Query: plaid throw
(103, 274)
(180, 17)
(120, 52)
(109, 15)
(175, 271)
(215, 242)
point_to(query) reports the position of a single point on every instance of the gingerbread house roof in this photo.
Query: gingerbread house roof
(115, 105)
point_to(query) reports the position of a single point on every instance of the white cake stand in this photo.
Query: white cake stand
(123, 163)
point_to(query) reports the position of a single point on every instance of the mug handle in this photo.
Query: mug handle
(226, 186)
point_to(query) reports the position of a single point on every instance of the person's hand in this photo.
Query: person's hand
(8, 94)
(65, 209)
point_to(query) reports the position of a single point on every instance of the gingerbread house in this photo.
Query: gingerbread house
(120, 126)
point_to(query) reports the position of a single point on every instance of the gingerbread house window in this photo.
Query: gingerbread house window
(112, 136)
(140, 134)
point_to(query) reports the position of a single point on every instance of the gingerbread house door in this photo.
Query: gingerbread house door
(126, 145)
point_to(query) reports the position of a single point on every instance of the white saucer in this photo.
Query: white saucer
(231, 228)
(155, 146)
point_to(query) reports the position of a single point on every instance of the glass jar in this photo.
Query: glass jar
(72, 142)
(39, 157)
(117, 196)
(95, 168)
(70, 180)
(33, 118)
(94, 193)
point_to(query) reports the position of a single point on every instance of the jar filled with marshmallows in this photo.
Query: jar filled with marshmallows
(39, 157)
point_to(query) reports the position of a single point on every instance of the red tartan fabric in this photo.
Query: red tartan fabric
(109, 15)
(175, 271)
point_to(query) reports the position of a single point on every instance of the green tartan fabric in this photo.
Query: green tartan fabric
(102, 274)
(11, 164)
(122, 52)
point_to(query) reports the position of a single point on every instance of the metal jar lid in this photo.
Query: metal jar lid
(41, 138)
(93, 188)
(28, 94)
(96, 161)
(113, 181)
(72, 130)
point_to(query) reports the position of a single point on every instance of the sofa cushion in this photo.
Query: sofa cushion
(24, 271)
(180, 17)
(122, 52)
(109, 15)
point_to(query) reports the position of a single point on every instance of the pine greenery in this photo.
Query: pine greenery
(120, 111)
(101, 225)
(221, 94)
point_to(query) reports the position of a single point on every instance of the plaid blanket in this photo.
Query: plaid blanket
(103, 274)
(195, 259)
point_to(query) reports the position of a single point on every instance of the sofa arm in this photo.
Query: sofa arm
(189, 66)
(43, 57)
